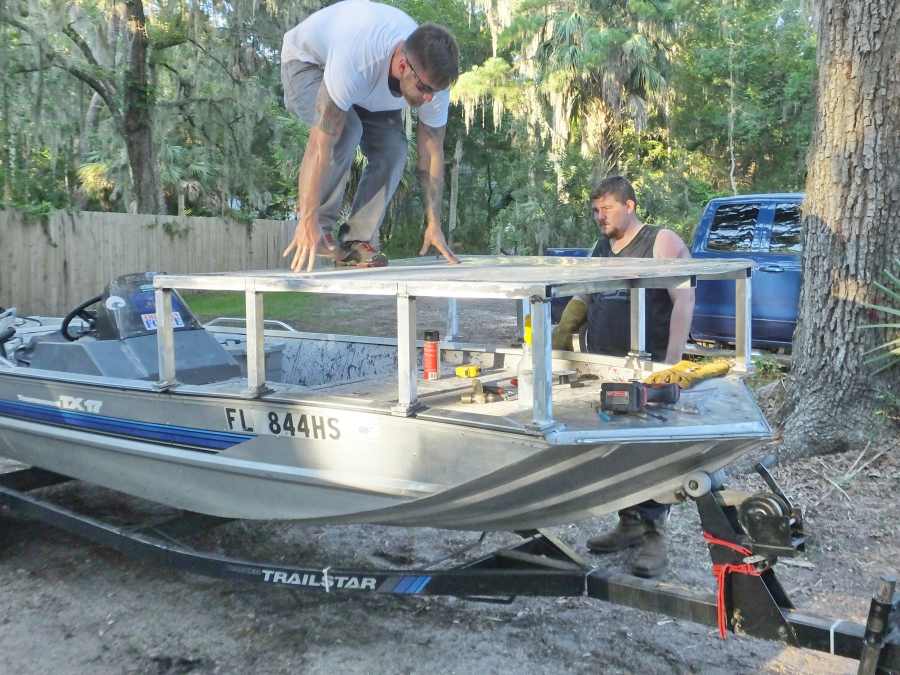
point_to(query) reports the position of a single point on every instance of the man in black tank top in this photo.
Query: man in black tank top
(607, 331)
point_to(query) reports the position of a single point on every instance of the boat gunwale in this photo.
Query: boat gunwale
(557, 435)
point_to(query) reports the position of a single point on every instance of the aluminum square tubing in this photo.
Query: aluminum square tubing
(452, 320)
(406, 355)
(256, 354)
(514, 277)
(638, 321)
(165, 343)
(542, 364)
(743, 315)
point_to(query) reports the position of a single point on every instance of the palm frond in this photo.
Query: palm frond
(887, 353)
(882, 308)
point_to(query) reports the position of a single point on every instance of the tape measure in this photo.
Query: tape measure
(468, 370)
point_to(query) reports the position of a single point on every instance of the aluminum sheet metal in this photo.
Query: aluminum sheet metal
(514, 277)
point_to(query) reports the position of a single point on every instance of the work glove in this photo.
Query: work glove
(572, 319)
(688, 373)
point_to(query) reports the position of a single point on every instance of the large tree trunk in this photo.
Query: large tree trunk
(137, 117)
(851, 226)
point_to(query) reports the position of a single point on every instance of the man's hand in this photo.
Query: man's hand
(435, 237)
(304, 245)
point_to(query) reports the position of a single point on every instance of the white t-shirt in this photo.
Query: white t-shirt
(353, 41)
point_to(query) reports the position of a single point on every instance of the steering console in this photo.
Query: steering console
(81, 311)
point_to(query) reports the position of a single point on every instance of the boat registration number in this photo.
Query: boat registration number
(283, 423)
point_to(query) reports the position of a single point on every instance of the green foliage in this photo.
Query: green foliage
(494, 80)
(582, 70)
(766, 369)
(175, 230)
(672, 183)
(767, 49)
(36, 212)
(35, 180)
(95, 180)
(578, 90)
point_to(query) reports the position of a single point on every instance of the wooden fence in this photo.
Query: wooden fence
(49, 265)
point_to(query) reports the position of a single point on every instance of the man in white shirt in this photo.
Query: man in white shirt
(348, 71)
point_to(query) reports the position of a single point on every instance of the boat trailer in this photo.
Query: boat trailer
(745, 537)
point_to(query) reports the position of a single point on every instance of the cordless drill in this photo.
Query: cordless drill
(633, 397)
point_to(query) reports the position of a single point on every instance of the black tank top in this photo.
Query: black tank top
(608, 326)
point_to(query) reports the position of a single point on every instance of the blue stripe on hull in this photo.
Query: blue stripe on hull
(115, 426)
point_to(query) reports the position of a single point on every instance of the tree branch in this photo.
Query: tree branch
(104, 89)
(181, 103)
(214, 59)
(75, 37)
(94, 83)
(169, 41)
(172, 70)
(23, 71)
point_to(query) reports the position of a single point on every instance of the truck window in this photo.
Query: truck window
(785, 237)
(732, 228)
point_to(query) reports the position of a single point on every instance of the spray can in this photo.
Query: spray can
(431, 355)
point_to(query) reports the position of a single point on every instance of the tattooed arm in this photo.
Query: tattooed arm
(322, 136)
(430, 169)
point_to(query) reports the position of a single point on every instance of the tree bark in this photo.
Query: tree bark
(6, 154)
(850, 227)
(89, 127)
(137, 116)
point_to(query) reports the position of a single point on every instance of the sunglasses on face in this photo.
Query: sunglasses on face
(420, 85)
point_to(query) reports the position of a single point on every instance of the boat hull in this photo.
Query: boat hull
(219, 455)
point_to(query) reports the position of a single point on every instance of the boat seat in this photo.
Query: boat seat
(199, 358)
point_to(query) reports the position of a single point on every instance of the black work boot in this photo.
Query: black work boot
(629, 532)
(651, 559)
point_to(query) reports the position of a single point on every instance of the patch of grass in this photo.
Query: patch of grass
(766, 369)
(288, 307)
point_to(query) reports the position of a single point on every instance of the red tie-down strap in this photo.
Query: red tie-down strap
(722, 570)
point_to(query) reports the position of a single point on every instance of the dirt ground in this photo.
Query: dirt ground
(68, 606)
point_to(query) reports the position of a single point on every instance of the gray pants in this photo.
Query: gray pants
(380, 137)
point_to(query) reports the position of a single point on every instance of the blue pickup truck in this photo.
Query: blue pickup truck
(764, 228)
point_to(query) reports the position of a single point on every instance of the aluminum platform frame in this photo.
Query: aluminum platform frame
(530, 280)
(540, 565)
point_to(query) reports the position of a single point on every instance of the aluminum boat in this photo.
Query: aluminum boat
(131, 392)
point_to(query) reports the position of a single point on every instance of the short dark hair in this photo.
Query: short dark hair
(617, 186)
(436, 51)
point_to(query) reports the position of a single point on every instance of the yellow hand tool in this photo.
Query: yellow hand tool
(468, 370)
